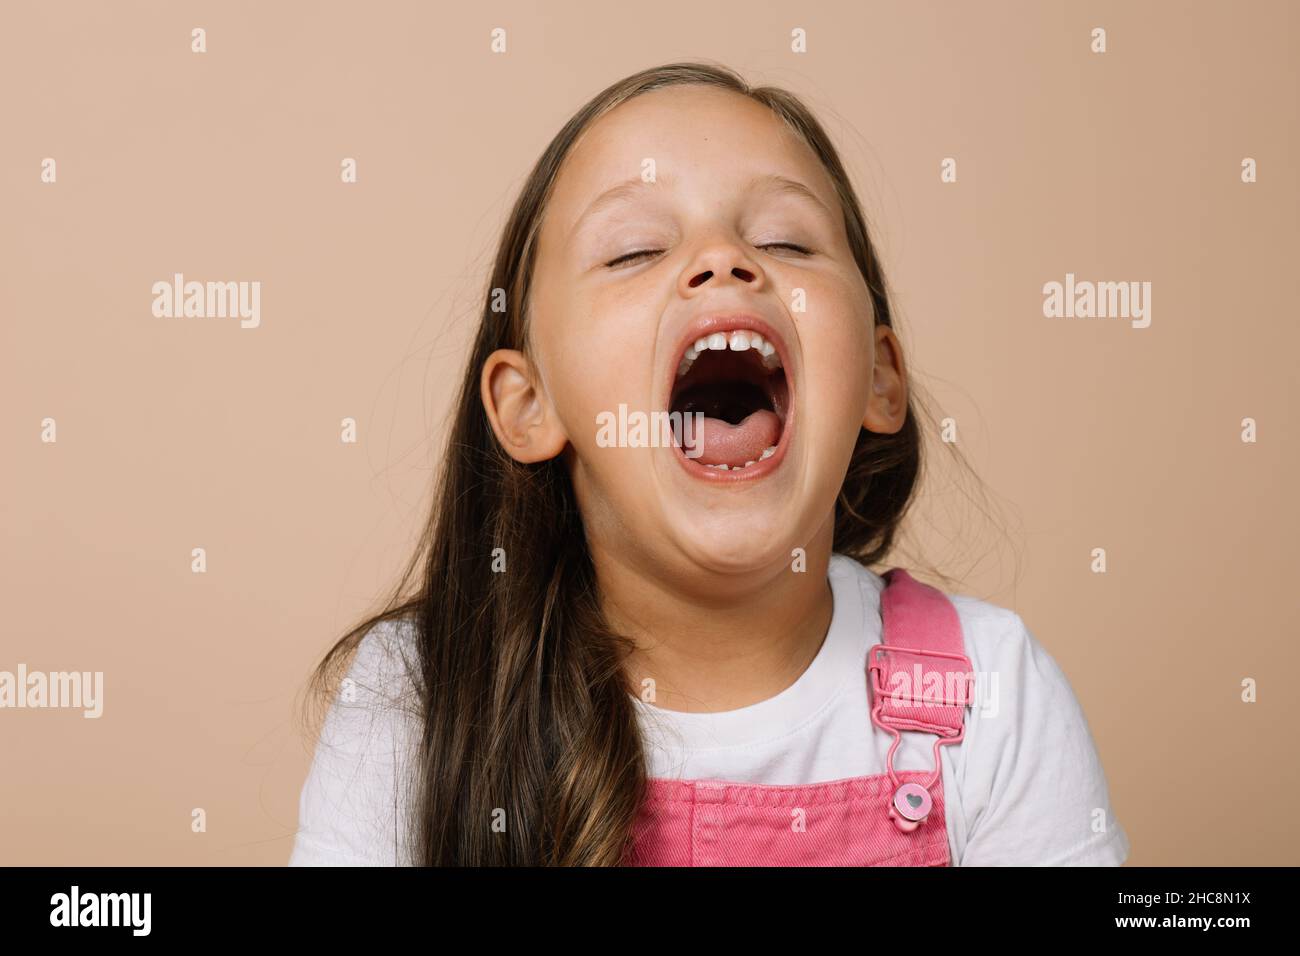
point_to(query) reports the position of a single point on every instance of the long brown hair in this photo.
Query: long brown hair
(525, 716)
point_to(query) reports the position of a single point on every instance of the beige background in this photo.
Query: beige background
(174, 434)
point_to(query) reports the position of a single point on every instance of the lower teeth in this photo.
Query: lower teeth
(768, 452)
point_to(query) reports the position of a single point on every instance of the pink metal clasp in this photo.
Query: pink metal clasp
(911, 803)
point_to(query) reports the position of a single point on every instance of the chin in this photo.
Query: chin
(720, 547)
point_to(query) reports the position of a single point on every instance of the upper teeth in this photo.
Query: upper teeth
(737, 340)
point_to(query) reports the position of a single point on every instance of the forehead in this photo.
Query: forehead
(703, 141)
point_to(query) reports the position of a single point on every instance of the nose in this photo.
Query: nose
(722, 261)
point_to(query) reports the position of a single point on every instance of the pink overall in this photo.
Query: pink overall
(919, 680)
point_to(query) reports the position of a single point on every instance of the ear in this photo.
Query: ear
(519, 410)
(887, 404)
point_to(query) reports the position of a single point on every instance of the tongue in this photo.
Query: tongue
(733, 445)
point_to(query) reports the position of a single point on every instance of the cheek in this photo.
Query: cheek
(589, 388)
(837, 350)
(592, 373)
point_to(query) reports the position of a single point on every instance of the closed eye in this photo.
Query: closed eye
(633, 256)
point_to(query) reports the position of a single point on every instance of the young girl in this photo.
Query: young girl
(632, 651)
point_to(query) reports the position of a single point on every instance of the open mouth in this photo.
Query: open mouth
(736, 379)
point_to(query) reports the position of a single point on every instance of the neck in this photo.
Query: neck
(717, 642)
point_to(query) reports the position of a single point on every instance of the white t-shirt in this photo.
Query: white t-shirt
(1025, 786)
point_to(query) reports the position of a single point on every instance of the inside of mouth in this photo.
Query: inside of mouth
(744, 405)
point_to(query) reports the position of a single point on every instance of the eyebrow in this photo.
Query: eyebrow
(784, 185)
(764, 182)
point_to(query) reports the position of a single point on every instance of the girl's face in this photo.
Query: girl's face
(718, 201)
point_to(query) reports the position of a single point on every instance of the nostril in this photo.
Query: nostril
(743, 274)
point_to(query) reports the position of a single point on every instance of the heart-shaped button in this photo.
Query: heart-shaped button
(912, 802)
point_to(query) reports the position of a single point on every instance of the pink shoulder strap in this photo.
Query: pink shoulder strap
(923, 670)
(920, 677)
